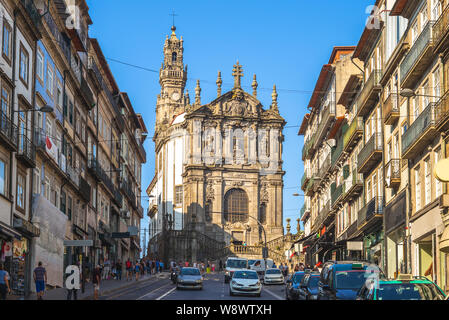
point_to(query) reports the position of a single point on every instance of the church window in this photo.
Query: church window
(178, 195)
(263, 213)
(174, 56)
(236, 206)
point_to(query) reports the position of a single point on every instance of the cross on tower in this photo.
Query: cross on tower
(237, 73)
(173, 15)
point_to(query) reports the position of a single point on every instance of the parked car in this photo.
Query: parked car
(245, 282)
(273, 276)
(308, 287)
(341, 280)
(413, 288)
(291, 289)
(234, 264)
(259, 265)
(190, 278)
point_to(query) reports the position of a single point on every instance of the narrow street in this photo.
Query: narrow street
(214, 289)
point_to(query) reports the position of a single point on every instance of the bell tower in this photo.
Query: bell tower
(172, 78)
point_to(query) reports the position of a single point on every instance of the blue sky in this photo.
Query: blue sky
(283, 42)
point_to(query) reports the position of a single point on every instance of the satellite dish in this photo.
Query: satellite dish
(442, 170)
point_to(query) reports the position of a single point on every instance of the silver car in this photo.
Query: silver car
(189, 278)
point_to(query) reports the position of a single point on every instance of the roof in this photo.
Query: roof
(104, 64)
(340, 50)
(404, 8)
(369, 36)
(321, 85)
(302, 129)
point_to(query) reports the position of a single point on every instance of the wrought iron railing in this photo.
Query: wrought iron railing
(8, 130)
(355, 126)
(374, 144)
(391, 105)
(59, 38)
(424, 121)
(441, 26)
(372, 208)
(33, 12)
(424, 40)
(372, 82)
(337, 152)
(336, 195)
(442, 109)
(26, 150)
(393, 169)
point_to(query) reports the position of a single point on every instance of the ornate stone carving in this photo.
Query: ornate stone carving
(210, 194)
(264, 196)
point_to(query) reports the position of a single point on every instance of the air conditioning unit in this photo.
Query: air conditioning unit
(444, 201)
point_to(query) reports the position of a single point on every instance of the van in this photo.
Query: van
(233, 264)
(258, 265)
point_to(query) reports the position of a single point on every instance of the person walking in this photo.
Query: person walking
(96, 280)
(213, 267)
(129, 270)
(220, 265)
(137, 270)
(4, 283)
(119, 267)
(40, 279)
(157, 266)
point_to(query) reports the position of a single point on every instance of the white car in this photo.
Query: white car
(245, 282)
(273, 276)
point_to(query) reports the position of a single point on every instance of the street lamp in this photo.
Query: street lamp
(409, 93)
(44, 109)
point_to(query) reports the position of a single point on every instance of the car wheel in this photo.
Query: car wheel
(258, 295)
(231, 293)
(177, 287)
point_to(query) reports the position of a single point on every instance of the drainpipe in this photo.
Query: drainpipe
(384, 251)
(11, 159)
(408, 212)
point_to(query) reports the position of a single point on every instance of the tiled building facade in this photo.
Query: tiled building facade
(71, 145)
(393, 133)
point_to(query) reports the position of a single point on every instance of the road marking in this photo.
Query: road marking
(153, 291)
(166, 294)
(274, 294)
(130, 289)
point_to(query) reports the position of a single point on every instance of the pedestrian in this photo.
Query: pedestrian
(220, 264)
(106, 269)
(96, 280)
(161, 266)
(208, 267)
(213, 267)
(148, 267)
(40, 279)
(4, 282)
(137, 270)
(129, 269)
(157, 266)
(119, 267)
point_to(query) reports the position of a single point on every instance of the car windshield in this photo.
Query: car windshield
(297, 277)
(236, 264)
(409, 291)
(190, 272)
(245, 275)
(273, 271)
(351, 279)
(251, 262)
(313, 282)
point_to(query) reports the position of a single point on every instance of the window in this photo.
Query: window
(3, 175)
(21, 187)
(59, 94)
(178, 192)
(69, 207)
(427, 181)
(173, 57)
(24, 59)
(5, 101)
(236, 206)
(415, 108)
(71, 112)
(438, 186)
(40, 65)
(424, 17)
(36, 181)
(50, 82)
(62, 203)
(426, 94)
(415, 32)
(417, 190)
(436, 84)
(436, 9)
(6, 50)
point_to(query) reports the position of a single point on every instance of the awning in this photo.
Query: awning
(9, 231)
(302, 240)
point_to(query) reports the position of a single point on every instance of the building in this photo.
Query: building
(68, 135)
(218, 166)
(397, 108)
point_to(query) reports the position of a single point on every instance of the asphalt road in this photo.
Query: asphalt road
(214, 288)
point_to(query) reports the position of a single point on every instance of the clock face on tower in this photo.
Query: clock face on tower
(175, 96)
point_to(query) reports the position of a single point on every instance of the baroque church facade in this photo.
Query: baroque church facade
(218, 165)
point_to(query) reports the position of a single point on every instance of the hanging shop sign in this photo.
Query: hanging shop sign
(354, 245)
(78, 243)
(26, 227)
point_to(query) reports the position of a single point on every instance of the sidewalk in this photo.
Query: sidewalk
(106, 287)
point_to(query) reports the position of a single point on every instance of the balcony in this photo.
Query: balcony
(327, 117)
(94, 168)
(393, 173)
(310, 190)
(129, 193)
(84, 190)
(87, 93)
(369, 93)
(307, 149)
(420, 133)
(74, 175)
(8, 133)
(325, 166)
(353, 134)
(26, 151)
(60, 40)
(391, 109)
(337, 195)
(322, 216)
(440, 31)
(373, 209)
(419, 57)
(337, 153)
(353, 186)
(370, 154)
(142, 151)
(94, 69)
(442, 113)
(305, 180)
(33, 13)
(140, 211)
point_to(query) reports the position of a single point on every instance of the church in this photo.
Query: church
(218, 166)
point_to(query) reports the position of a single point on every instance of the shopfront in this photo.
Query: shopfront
(373, 247)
